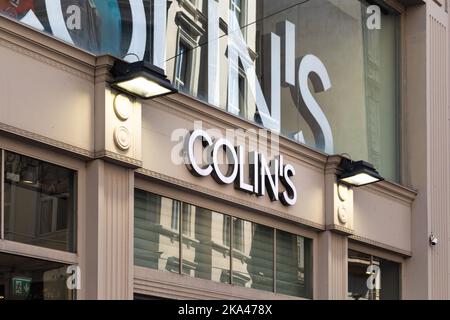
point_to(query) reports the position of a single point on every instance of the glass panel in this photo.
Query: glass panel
(205, 254)
(31, 279)
(206, 239)
(156, 235)
(356, 114)
(356, 110)
(294, 265)
(181, 77)
(252, 255)
(381, 74)
(372, 278)
(117, 27)
(39, 203)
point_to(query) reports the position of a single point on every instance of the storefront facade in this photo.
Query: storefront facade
(106, 196)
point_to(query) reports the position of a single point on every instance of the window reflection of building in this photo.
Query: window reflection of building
(372, 278)
(236, 7)
(294, 268)
(208, 238)
(365, 89)
(184, 54)
(205, 256)
(156, 242)
(39, 203)
(181, 79)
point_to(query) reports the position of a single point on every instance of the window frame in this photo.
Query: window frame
(37, 252)
(178, 195)
(382, 254)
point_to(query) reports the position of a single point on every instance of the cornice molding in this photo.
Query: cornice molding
(340, 229)
(378, 244)
(118, 158)
(47, 49)
(45, 140)
(394, 190)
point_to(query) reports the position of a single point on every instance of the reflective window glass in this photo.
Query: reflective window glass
(208, 237)
(372, 278)
(156, 232)
(40, 203)
(24, 278)
(206, 254)
(294, 265)
(253, 255)
(324, 73)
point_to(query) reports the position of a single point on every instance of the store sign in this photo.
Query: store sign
(273, 178)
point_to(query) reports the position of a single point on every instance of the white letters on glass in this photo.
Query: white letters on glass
(237, 49)
(159, 33)
(269, 107)
(31, 20)
(136, 51)
(312, 68)
(213, 54)
(56, 20)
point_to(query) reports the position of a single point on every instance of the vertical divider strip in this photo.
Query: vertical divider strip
(275, 260)
(231, 249)
(2, 196)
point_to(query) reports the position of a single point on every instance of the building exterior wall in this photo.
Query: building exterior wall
(57, 105)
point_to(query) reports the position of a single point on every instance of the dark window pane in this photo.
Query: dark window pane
(294, 265)
(253, 256)
(24, 278)
(372, 278)
(39, 203)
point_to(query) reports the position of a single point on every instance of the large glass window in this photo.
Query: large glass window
(205, 253)
(24, 278)
(39, 203)
(294, 265)
(372, 278)
(208, 237)
(253, 255)
(347, 103)
(156, 232)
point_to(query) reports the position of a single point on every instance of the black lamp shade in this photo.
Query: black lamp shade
(359, 173)
(141, 79)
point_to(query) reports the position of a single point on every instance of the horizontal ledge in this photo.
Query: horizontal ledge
(148, 281)
(42, 253)
(380, 245)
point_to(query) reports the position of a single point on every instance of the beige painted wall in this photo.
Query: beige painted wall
(42, 95)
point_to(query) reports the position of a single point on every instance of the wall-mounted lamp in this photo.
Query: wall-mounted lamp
(358, 173)
(141, 79)
(28, 176)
